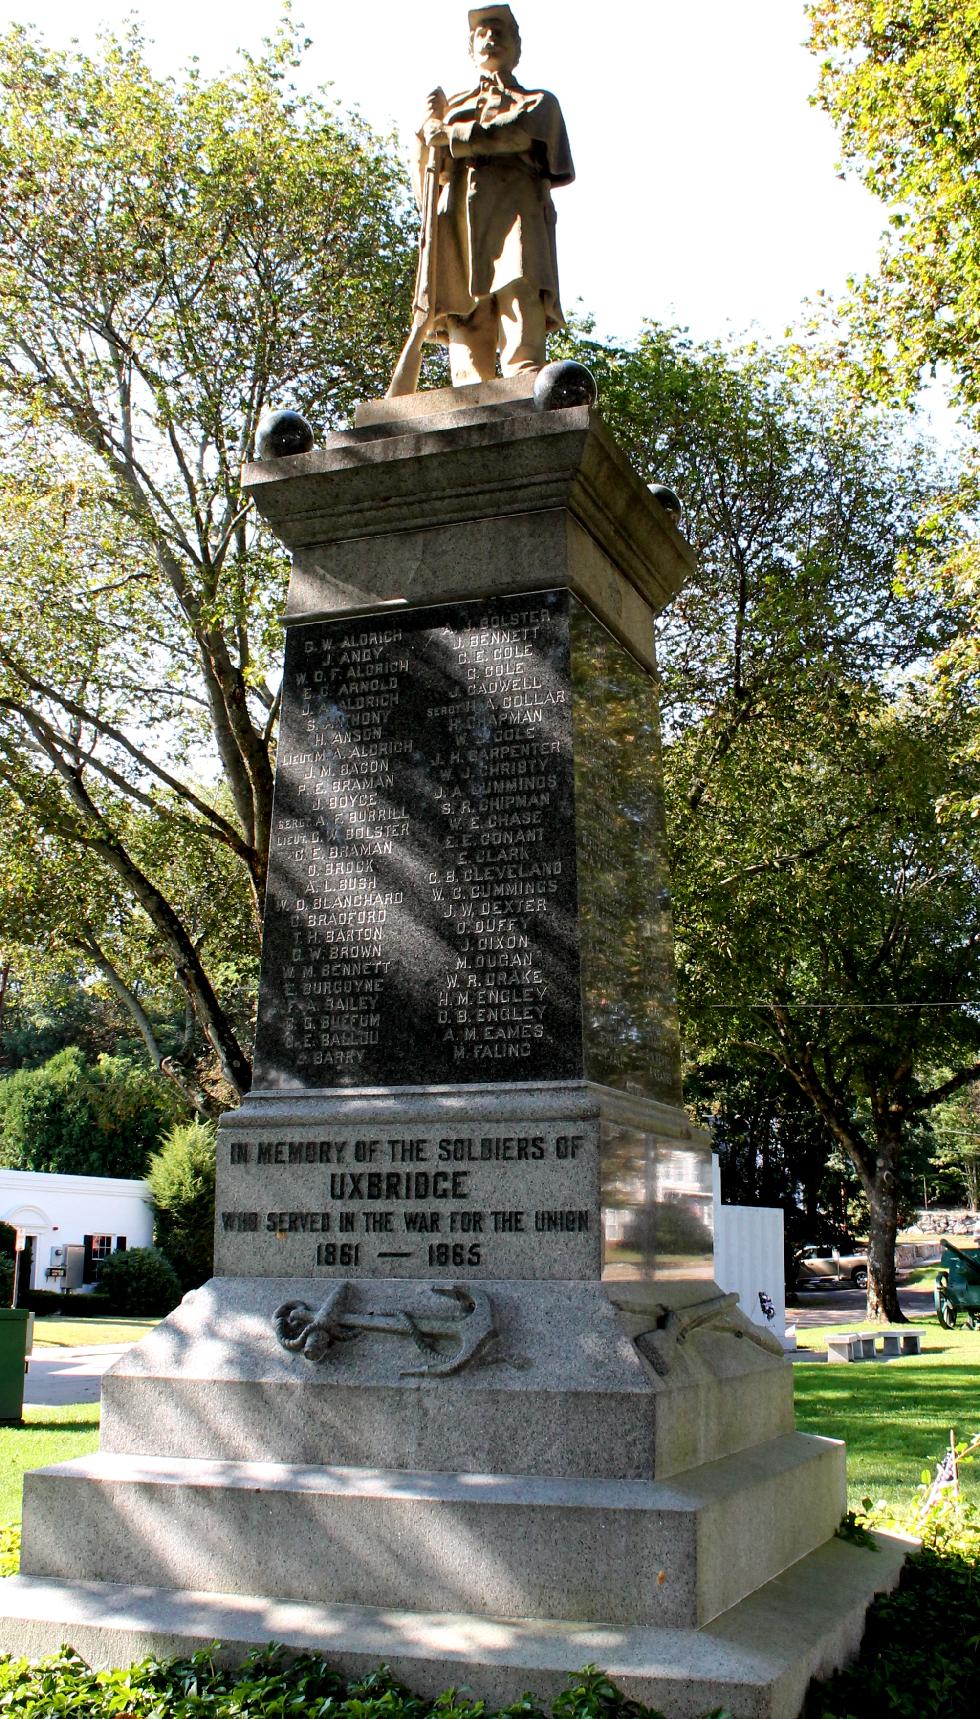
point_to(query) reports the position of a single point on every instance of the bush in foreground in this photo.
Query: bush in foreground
(269, 1686)
(919, 1657)
(141, 1282)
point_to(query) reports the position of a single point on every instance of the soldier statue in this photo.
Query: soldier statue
(486, 165)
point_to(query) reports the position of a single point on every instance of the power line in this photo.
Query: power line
(782, 1003)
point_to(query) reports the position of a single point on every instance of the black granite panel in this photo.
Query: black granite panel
(627, 952)
(420, 919)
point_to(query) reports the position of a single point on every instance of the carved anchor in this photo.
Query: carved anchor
(313, 1335)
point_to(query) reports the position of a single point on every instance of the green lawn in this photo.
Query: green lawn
(920, 1276)
(74, 1333)
(895, 1416)
(48, 1435)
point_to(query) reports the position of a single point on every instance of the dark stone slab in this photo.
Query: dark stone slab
(420, 922)
(466, 881)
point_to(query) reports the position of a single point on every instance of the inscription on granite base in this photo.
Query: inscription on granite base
(467, 881)
(520, 1200)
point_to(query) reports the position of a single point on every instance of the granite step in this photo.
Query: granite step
(622, 1551)
(757, 1658)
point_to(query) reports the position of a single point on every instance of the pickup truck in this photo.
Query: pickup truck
(828, 1265)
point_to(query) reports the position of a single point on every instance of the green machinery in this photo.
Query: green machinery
(958, 1286)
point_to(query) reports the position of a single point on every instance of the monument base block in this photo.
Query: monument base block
(755, 1659)
(562, 1389)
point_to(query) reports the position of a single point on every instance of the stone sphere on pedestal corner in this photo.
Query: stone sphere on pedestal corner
(282, 433)
(565, 383)
(670, 502)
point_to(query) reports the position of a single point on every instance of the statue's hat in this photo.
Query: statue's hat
(482, 14)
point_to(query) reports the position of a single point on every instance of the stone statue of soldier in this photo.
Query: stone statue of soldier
(488, 159)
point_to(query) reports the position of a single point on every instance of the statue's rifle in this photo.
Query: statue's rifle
(405, 379)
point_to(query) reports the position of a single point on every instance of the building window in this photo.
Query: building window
(97, 1248)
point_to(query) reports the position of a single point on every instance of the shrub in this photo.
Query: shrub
(48, 1301)
(77, 1118)
(919, 1654)
(181, 1178)
(140, 1283)
(271, 1684)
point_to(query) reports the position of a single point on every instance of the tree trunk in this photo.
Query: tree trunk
(883, 1304)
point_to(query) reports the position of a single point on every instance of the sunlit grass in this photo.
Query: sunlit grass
(76, 1333)
(895, 1416)
(49, 1434)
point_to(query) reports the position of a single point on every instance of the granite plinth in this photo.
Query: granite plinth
(367, 483)
(673, 1553)
(563, 1391)
(546, 1181)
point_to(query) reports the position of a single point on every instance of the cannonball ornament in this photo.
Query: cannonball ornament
(670, 502)
(563, 384)
(282, 433)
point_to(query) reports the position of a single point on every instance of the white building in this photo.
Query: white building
(70, 1223)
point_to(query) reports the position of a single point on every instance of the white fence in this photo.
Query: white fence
(749, 1258)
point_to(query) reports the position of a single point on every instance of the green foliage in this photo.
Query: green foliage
(593, 1696)
(140, 1282)
(955, 1149)
(823, 856)
(181, 1177)
(9, 1549)
(176, 257)
(269, 1684)
(81, 1304)
(45, 1013)
(79, 1119)
(901, 82)
(853, 1528)
(919, 1655)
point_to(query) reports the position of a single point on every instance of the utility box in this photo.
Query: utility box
(67, 1266)
(16, 1325)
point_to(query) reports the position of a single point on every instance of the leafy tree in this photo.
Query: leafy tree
(955, 1157)
(902, 83)
(181, 1178)
(81, 1119)
(853, 963)
(813, 876)
(175, 257)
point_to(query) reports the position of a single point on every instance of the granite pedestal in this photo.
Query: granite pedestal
(463, 1394)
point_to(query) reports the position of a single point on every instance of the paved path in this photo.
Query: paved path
(842, 1306)
(69, 1375)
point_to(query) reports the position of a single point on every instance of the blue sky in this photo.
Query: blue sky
(707, 190)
